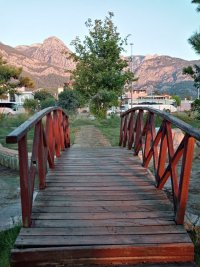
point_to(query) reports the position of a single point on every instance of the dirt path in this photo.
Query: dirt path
(90, 136)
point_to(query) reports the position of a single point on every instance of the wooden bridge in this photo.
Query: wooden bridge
(101, 206)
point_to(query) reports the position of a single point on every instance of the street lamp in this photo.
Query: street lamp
(131, 67)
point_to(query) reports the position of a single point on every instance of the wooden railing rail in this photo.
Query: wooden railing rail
(51, 136)
(139, 133)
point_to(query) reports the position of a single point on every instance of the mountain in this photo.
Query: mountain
(52, 52)
(45, 63)
(49, 66)
(163, 74)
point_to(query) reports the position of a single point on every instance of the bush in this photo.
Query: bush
(31, 105)
(42, 95)
(68, 100)
(49, 102)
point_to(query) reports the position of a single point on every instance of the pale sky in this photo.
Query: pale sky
(156, 26)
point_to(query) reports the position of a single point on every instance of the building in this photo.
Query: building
(20, 97)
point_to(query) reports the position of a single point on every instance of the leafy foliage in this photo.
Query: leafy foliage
(100, 73)
(42, 95)
(68, 100)
(31, 105)
(194, 40)
(10, 78)
(196, 105)
(194, 72)
(177, 99)
(48, 102)
(197, 2)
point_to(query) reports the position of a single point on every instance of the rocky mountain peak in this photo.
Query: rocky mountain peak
(53, 41)
(54, 52)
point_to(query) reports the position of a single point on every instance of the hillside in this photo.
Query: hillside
(163, 74)
(49, 66)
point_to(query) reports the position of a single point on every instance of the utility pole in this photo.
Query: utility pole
(131, 44)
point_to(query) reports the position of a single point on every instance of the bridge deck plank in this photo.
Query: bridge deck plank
(101, 207)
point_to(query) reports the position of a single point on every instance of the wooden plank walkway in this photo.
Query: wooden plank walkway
(100, 206)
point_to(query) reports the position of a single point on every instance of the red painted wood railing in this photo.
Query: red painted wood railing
(51, 136)
(138, 132)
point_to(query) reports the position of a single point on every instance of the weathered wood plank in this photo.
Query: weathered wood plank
(124, 192)
(103, 230)
(97, 223)
(101, 216)
(129, 208)
(41, 241)
(100, 198)
(99, 203)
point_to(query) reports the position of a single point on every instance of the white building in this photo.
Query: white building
(23, 94)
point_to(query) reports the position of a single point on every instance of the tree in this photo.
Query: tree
(100, 73)
(10, 78)
(196, 105)
(48, 102)
(177, 99)
(194, 40)
(68, 100)
(42, 95)
(31, 105)
(194, 72)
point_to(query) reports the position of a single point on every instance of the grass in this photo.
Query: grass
(7, 239)
(195, 236)
(7, 125)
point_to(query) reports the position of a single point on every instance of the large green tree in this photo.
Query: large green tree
(194, 40)
(10, 78)
(101, 72)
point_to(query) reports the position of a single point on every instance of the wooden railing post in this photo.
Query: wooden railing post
(56, 134)
(67, 132)
(131, 125)
(184, 179)
(138, 132)
(121, 132)
(147, 134)
(50, 140)
(41, 160)
(24, 182)
(125, 131)
(162, 154)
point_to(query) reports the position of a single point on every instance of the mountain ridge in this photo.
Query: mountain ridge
(48, 64)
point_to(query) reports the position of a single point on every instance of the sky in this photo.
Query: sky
(156, 26)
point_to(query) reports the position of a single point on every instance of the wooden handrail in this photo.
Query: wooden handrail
(51, 136)
(139, 133)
